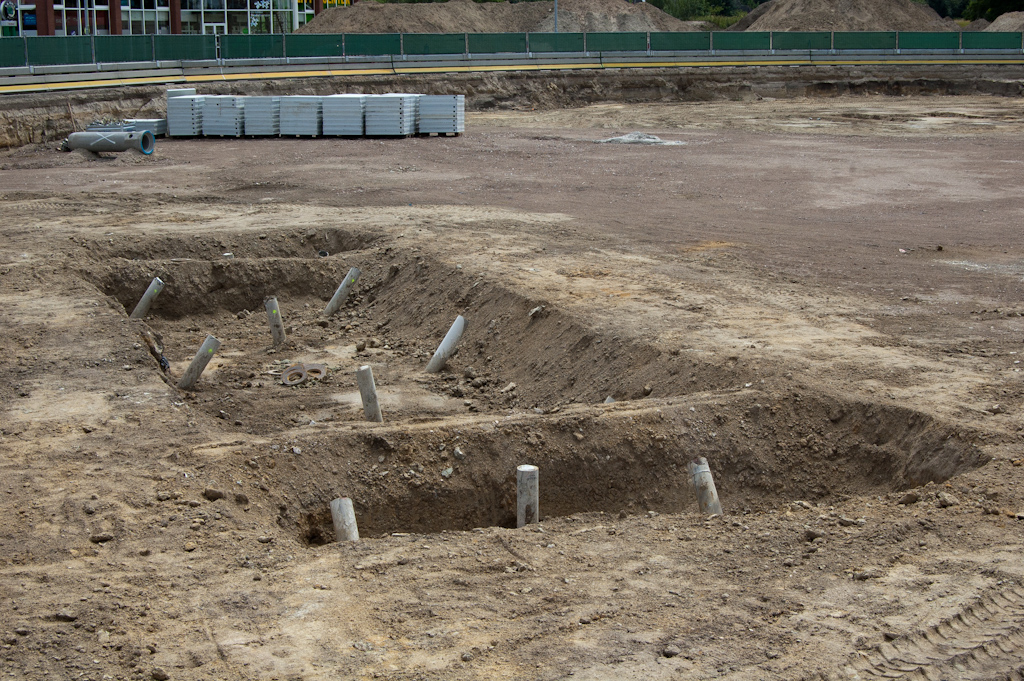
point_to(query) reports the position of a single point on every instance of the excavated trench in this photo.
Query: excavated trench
(522, 389)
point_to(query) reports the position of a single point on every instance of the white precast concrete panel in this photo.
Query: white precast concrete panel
(224, 115)
(394, 115)
(302, 115)
(185, 115)
(262, 116)
(344, 115)
(442, 113)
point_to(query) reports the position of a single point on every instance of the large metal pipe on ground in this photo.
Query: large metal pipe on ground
(142, 140)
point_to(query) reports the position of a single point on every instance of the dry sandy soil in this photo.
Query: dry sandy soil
(824, 298)
(466, 16)
(844, 15)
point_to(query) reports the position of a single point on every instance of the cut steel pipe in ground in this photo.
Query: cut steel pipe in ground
(704, 485)
(142, 308)
(447, 347)
(527, 495)
(274, 319)
(341, 295)
(199, 362)
(368, 392)
(344, 517)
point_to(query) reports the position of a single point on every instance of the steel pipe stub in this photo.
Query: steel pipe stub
(300, 373)
(294, 375)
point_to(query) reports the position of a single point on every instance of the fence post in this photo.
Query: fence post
(465, 49)
(92, 45)
(24, 41)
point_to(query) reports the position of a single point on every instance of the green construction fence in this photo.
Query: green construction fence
(801, 40)
(690, 41)
(616, 42)
(49, 51)
(741, 41)
(433, 43)
(12, 52)
(495, 43)
(982, 40)
(556, 42)
(928, 41)
(865, 40)
(251, 46)
(185, 47)
(122, 48)
(53, 51)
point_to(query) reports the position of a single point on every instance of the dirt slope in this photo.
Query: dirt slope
(1011, 22)
(849, 15)
(465, 16)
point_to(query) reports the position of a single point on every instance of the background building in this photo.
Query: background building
(139, 17)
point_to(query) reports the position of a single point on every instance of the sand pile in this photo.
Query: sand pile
(846, 15)
(466, 16)
(1011, 22)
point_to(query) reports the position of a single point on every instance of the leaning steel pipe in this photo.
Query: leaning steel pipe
(113, 141)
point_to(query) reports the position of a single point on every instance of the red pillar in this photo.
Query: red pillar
(44, 17)
(175, 16)
(114, 17)
(318, 6)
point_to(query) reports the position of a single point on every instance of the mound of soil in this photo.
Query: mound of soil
(848, 15)
(1011, 22)
(466, 16)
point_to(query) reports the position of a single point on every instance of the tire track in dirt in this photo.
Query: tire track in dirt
(984, 640)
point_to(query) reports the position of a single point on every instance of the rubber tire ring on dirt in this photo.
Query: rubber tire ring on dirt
(316, 371)
(294, 375)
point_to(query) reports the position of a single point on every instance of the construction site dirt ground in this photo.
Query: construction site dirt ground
(824, 298)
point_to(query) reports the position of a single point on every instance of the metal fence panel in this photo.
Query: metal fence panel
(864, 40)
(372, 44)
(982, 40)
(681, 42)
(801, 40)
(12, 52)
(314, 45)
(913, 40)
(185, 47)
(434, 43)
(51, 50)
(492, 43)
(251, 46)
(616, 42)
(556, 42)
(757, 40)
(120, 48)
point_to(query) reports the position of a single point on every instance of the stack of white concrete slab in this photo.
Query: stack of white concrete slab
(223, 115)
(262, 116)
(391, 115)
(344, 115)
(185, 115)
(157, 126)
(302, 115)
(442, 114)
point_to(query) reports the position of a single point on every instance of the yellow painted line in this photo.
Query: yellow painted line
(84, 84)
(816, 62)
(255, 76)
